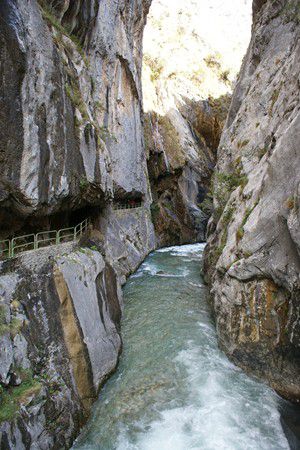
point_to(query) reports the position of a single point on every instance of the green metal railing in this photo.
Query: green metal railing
(20, 244)
(127, 205)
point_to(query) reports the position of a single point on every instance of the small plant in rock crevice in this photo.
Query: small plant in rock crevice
(290, 203)
(155, 66)
(224, 184)
(73, 92)
(240, 231)
(49, 15)
(207, 205)
(291, 11)
(274, 99)
(213, 61)
(12, 397)
(242, 144)
(83, 183)
(224, 76)
(155, 211)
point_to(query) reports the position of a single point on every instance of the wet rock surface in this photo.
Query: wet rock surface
(252, 257)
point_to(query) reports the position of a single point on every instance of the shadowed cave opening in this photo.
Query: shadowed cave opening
(13, 225)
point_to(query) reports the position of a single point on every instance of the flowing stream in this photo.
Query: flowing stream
(174, 389)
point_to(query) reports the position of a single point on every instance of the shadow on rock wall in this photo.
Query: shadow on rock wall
(181, 152)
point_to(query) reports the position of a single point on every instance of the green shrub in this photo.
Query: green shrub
(240, 232)
(83, 183)
(262, 152)
(242, 144)
(274, 99)
(49, 15)
(73, 92)
(207, 205)
(224, 185)
(291, 11)
(4, 327)
(155, 66)
(227, 216)
(11, 398)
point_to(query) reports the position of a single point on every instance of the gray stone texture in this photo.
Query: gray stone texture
(71, 145)
(253, 252)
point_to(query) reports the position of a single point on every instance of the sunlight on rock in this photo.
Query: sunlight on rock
(193, 50)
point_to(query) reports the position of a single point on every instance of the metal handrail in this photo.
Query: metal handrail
(66, 233)
(119, 206)
(19, 244)
(47, 240)
(15, 247)
(5, 247)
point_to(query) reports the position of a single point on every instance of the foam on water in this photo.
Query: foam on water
(174, 389)
(183, 250)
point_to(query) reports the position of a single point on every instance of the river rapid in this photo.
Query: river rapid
(174, 389)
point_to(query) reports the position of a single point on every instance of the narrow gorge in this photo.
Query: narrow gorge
(128, 126)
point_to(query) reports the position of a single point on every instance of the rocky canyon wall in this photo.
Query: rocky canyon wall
(71, 147)
(70, 121)
(253, 252)
(60, 316)
(188, 72)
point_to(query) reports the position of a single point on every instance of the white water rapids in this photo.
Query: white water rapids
(174, 389)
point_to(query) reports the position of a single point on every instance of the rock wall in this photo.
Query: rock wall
(180, 165)
(188, 72)
(60, 340)
(71, 147)
(253, 253)
(70, 121)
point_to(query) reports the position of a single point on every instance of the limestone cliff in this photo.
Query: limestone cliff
(59, 341)
(70, 114)
(188, 72)
(71, 147)
(253, 253)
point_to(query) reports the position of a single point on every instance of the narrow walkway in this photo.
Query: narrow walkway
(130, 204)
(12, 247)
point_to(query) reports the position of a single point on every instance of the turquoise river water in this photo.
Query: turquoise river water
(174, 389)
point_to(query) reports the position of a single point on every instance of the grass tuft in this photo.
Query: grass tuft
(13, 397)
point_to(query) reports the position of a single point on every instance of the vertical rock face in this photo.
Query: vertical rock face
(71, 147)
(70, 123)
(253, 253)
(59, 335)
(187, 76)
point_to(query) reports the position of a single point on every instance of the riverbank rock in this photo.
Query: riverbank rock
(60, 320)
(252, 257)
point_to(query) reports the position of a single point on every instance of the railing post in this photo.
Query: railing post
(76, 231)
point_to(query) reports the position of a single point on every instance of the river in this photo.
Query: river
(174, 389)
